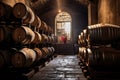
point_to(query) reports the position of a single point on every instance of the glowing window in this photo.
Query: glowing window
(63, 26)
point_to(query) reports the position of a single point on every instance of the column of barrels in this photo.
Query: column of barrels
(99, 59)
(26, 41)
(6, 41)
(84, 51)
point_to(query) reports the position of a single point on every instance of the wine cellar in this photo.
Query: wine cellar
(59, 40)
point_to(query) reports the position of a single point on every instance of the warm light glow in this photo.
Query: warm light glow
(67, 29)
(79, 36)
(59, 10)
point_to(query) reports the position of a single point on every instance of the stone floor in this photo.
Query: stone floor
(63, 67)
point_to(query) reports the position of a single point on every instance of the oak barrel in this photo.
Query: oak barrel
(4, 58)
(103, 33)
(53, 49)
(38, 53)
(23, 35)
(24, 12)
(45, 52)
(5, 33)
(44, 38)
(104, 57)
(37, 38)
(43, 26)
(2, 9)
(23, 58)
(5, 10)
(37, 22)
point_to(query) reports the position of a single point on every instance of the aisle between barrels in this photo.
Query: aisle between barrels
(63, 67)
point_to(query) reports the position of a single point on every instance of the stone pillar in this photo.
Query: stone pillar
(92, 13)
(109, 11)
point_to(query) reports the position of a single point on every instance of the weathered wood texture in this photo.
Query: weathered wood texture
(108, 11)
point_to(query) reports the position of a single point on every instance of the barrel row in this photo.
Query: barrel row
(26, 14)
(24, 57)
(104, 33)
(5, 10)
(100, 57)
(104, 57)
(83, 38)
(25, 40)
(99, 34)
(95, 54)
(24, 35)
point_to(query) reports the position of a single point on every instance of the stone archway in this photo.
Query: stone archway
(63, 27)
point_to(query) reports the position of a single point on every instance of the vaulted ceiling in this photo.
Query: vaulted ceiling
(43, 6)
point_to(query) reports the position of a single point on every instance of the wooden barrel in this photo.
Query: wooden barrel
(23, 35)
(104, 57)
(79, 39)
(29, 18)
(37, 22)
(107, 34)
(24, 12)
(87, 51)
(50, 50)
(43, 26)
(49, 39)
(92, 34)
(5, 10)
(82, 53)
(2, 9)
(44, 38)
(85, 34)
(85, 37)
(20, 10)
(110, 57)
(5, 34)
(4, 58)
(24, 58)
(103, 33)
(52, 39)
(117, 33)
(82, 39)
(53, 49)
(46, 28)
(45, 52)
(79, 51)
(38, 54)
(37, 39)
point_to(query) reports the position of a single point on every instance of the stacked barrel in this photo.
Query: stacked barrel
(25, 40)
(98, 57)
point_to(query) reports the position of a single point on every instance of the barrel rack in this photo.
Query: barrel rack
(26, 42)
(99, 52)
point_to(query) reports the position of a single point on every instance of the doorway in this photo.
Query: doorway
(63, 27)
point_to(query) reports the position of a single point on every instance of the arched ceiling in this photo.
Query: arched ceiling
(43, 6)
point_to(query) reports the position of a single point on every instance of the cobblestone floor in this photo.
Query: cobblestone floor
(63, 67)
